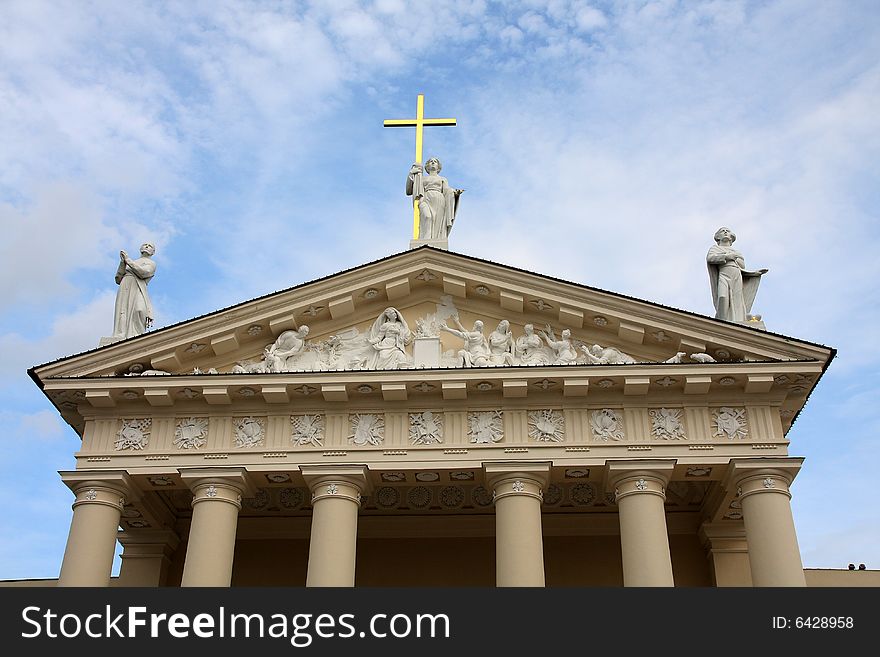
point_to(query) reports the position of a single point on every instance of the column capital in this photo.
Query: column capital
(749, 476)
(218, 484)
(657, 468)
(354, 476)
(237, 478)
(108, 487)
(505, 472)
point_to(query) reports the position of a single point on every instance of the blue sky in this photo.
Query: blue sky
(599, 142)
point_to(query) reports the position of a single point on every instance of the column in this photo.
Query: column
(146, 556)
(640, 490)
(517, 489)
(216, 502)
(763, 489)
(91, 543)
(728, 552)
(336, 500)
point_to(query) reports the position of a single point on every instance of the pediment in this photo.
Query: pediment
(614, 340)
(429, 287)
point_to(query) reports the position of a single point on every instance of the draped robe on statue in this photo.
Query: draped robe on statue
(437, 204)
(733, 286)
(133, 306)
(388, 338)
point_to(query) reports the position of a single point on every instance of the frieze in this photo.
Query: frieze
(367, 429)
(191, 433)
(666, 423)
(134, 434)
(730, 423)
(606, 424)
(426, 428)
(546, 426)
(307, 430)
(249, 431)
(485, 427)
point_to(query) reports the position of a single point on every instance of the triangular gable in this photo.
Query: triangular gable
(418, 283)
(423, 277)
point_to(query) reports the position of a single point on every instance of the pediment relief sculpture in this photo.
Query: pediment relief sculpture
(388, 343)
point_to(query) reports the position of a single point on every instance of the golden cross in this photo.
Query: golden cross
(418, 123)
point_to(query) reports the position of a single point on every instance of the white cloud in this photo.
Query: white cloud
(60, 232)
(511, 35)
(68, 334)
(588, 19)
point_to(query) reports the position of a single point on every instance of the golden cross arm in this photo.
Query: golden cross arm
(418, 123)
(412, 123)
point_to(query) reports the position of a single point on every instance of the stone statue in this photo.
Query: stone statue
(733, 286)
(249, 367)
(388, 338)
(289, 345)
(476, 348)
(678, 358)
(598, 355)
(501, 344)
(565, 352)
(437, 201)
(530, 348)
(133, 313)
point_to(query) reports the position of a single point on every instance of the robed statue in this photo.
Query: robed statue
(133, 313)
(437, 201)
(733, 286)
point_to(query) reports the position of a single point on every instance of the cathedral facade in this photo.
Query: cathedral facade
(432, 419)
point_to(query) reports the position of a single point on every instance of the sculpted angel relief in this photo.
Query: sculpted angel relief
(389, 343)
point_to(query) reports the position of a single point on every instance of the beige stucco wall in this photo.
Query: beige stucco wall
(29, 583)
(823, 577)
(596, 568)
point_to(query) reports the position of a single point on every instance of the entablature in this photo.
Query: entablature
(781, 385)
